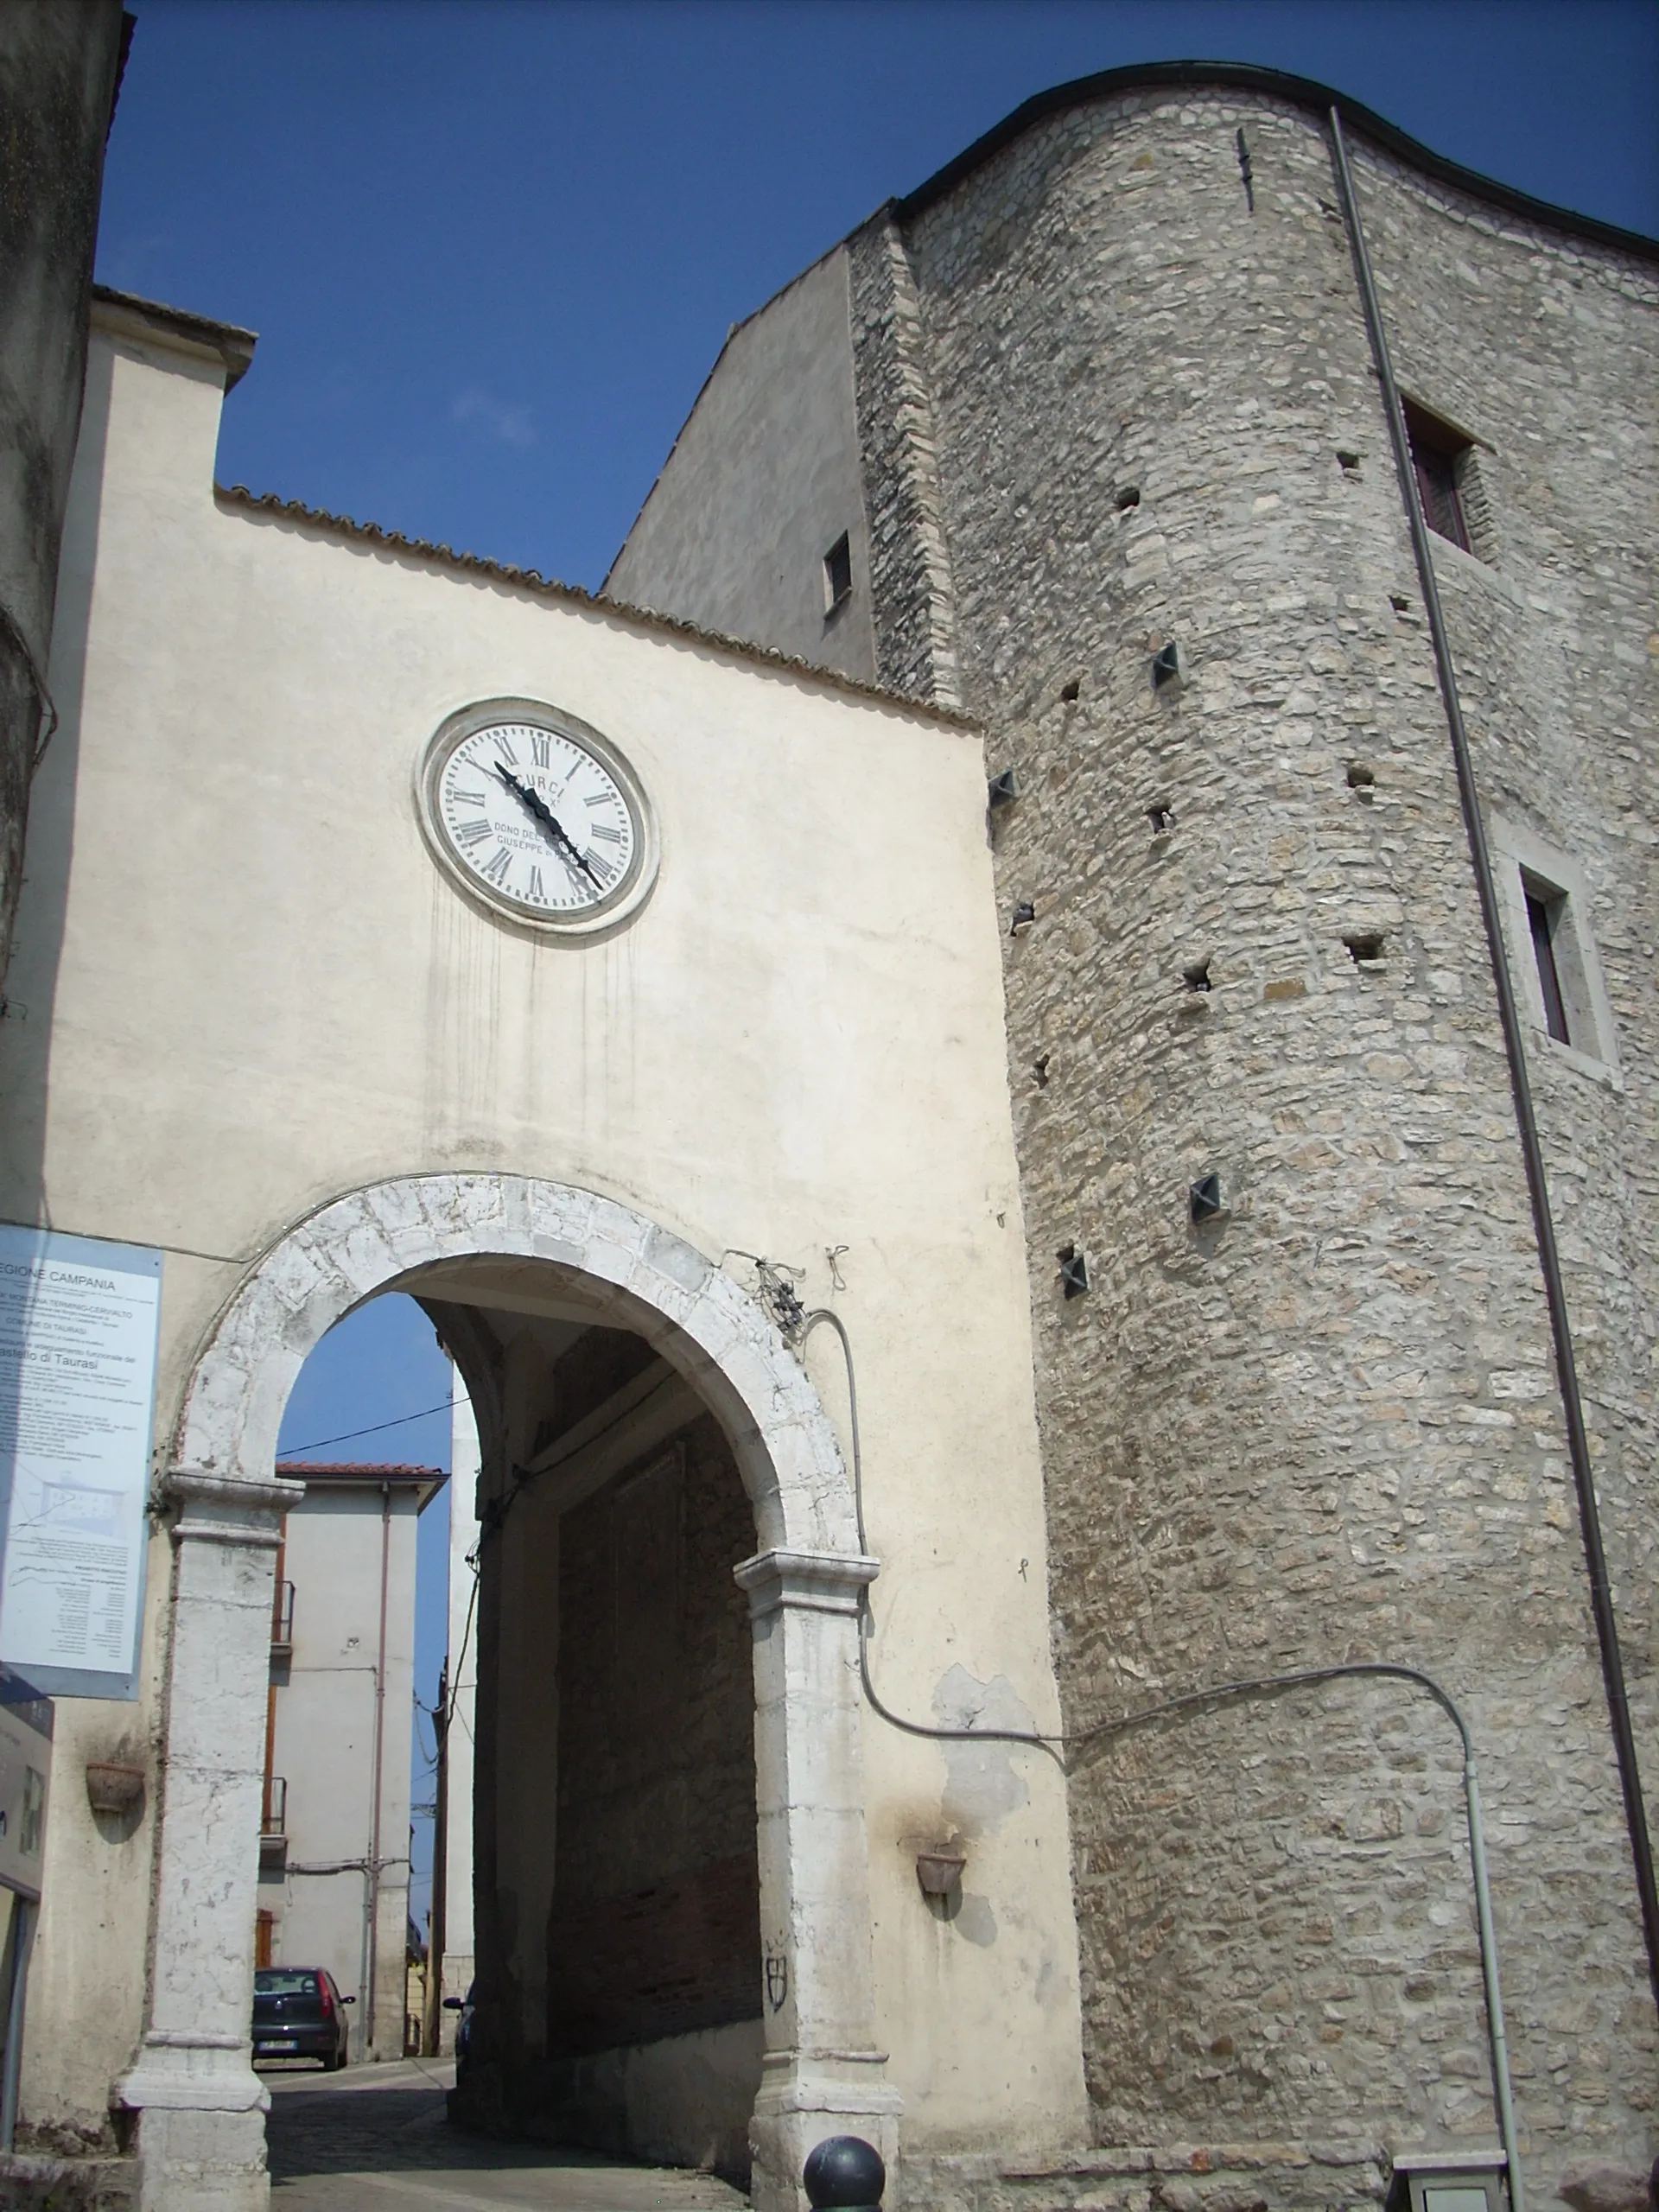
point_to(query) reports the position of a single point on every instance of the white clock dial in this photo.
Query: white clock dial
(538, 815)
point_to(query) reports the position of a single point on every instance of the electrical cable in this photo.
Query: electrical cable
(424, 1712)
(866, 1617)
(401, 1422)
(1218, 1694)
(466, 1637)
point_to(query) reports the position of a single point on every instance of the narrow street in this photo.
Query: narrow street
(374, 2139)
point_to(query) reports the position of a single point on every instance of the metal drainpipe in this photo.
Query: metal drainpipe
(1601, 1603)
(437, 1926)
(380, 1762)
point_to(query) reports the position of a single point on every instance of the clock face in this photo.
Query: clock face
(538, 815)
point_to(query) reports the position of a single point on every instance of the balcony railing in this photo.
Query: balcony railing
(273, 1821)
(282, 1622)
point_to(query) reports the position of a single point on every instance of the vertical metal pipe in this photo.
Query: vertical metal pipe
(1488, 1972)
(1601, 1603)
(437, 1926)
(373, 1897)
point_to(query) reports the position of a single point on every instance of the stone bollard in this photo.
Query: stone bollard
(845, 2173)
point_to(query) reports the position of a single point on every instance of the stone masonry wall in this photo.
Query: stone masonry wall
(911, 593)
(1324, 1426)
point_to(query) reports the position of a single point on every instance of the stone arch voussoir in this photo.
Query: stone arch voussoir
(638, 1274)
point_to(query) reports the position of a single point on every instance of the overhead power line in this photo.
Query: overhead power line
(287, 1450)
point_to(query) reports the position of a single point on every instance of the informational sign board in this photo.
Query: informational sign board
(78, 1329)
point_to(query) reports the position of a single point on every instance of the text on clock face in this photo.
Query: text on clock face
(532, 814)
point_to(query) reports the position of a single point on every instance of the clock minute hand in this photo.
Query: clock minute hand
(550, 821)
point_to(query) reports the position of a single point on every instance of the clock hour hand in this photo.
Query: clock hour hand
(550, 822)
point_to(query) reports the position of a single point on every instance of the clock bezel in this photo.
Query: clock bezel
(621, 903)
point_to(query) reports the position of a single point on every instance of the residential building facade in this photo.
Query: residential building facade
(334, 1819)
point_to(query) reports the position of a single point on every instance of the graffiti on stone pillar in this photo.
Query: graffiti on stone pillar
(777, 1979)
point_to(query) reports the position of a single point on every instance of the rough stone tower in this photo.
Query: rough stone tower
(1101, 392)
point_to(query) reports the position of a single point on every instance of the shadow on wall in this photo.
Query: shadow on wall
(37, 946)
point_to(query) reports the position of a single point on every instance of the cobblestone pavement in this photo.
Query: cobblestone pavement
(375, 2139)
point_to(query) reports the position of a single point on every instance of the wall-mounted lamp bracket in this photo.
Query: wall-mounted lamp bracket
(1003, 790)
(939, 1872)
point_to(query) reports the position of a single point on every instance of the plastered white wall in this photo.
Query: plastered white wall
(248, 989)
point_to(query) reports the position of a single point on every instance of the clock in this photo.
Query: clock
(537, 817)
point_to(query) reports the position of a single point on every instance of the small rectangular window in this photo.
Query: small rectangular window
(1544, 917)
(1548, 908)
(1437, 456)
(838, 574)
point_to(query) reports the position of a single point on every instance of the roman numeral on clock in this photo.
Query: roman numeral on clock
(468, 798)
(497, 869)
(468, 833)
(535, 890)
(604, 829)
(540, 746)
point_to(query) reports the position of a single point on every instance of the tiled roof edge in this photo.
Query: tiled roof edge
(531, 579)
(400, 1471)
(1300, 92)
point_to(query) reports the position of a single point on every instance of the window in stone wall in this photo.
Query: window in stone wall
(1547, 918)
(1443, 458)
(1552, 957)
(838, 574)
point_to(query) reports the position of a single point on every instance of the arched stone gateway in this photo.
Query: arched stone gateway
(199, 2103)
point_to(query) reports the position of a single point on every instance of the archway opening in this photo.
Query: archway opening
(357, 1637)
(477, 1245)
(615, 1877)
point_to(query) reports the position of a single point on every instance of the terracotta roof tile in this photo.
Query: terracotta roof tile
(368, 1469)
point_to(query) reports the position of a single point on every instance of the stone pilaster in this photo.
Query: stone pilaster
(200, 2105)
(823, 2074)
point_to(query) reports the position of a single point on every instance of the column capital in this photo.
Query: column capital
(819, 1582)
(229, 1509)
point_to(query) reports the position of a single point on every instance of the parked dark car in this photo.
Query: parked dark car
(465, 2006)
(298, 2013)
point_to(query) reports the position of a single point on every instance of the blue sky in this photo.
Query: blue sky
(492, 250)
